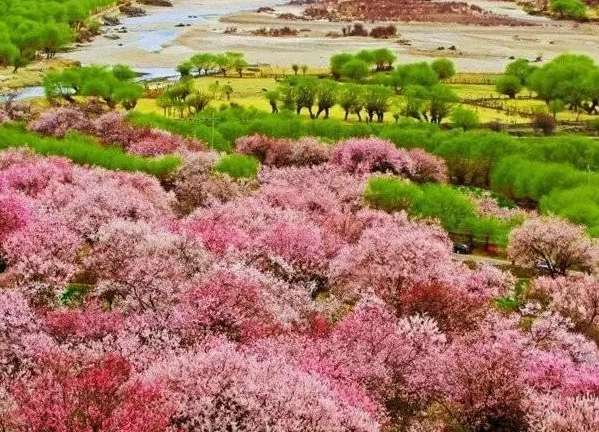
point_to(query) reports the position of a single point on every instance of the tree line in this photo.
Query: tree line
(569, 81)
(209, 63)
(114, 86)
(32, 28)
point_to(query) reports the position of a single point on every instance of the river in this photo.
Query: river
(154, 44)
(147, 36)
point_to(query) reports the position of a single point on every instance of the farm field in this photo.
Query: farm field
(320, 216)
(249, 92)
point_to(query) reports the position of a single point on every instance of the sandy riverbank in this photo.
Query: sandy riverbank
(158, 42)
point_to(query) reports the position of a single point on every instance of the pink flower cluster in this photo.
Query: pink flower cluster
(58, 121)
(368, 155)
(4, 117)
(196, 184)
(487, 206)
(553, 243)
(284, 305)
(112, 129)
(280, 152)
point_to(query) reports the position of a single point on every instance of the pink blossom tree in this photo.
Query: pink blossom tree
(43, 251)
(555, 243)
(26, 173)
(225, 304)
(197, 185)
(68, 396)
(558, 414)
(367, 155)
(427, 167)
(22, 338)
(577, 297)
(479, 384)
(223, 388)
(140, 268)
(14, 214)
(371, 349)
(58, 121)
(281, 152)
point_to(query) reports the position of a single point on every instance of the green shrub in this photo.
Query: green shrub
(391, 193)
(197, 127)
(509, 85)
(523, 179)
(579, 204)
(446, 203)
(238, 166)
(454, 209)
(86, 151)
(578, 151)
(575, 9)
(464, 118)
(444, 67)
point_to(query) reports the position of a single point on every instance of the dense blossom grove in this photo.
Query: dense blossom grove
(111, 129)
(283, 303)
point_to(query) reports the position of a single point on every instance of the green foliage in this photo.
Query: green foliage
(185, 68)
(206, 63)
(376, 101)
(198, 127)
(556, 106)
(337, 62)
(575, 9)
(444, 68)
(304, 93)
(273, 97)
(355, 69)
(569, 78)
(522, 179)
(198, 100)
(326, 96)
(74, 294)
(113, 85)
(429, 103)
(520, 68)
(86, 151)
(238, 166)
(579, 204)
(391, 194)
(464, 118)
(509, 85)
(29, 28)
(451, 207)
(413, 74)
(446, 203)
(351, 97)
(514, 300)
(383, 58)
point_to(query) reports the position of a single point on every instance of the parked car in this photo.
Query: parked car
(462, 249)
(543, 266)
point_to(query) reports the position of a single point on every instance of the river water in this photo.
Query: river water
(147, 37)
(150, 34)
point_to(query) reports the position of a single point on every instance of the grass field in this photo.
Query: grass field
(249, 92)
